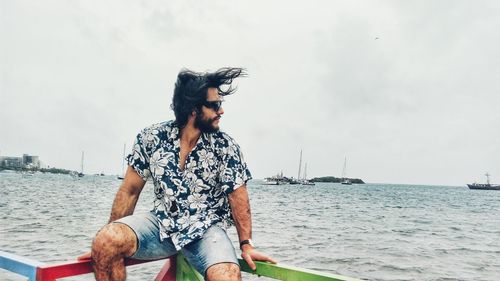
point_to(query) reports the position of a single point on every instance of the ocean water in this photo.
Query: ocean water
(371, 231)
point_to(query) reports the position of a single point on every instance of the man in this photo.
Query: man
(199, 177)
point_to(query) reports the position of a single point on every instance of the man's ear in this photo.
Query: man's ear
(195, 112)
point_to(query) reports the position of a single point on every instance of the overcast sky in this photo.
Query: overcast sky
(408, 91)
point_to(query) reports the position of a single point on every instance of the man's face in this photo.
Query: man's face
(208, 120)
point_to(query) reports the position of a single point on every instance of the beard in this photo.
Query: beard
(205, 125)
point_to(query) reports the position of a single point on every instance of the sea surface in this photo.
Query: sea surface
(370, 231)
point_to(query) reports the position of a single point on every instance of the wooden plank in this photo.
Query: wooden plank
(290, 273)
(175, 268)
(168, 271)
(37, 271)
(73, 268)
(185, 272)
(70, 268)
(20, 265)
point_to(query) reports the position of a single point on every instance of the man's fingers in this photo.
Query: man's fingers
(248, 259)
(252, 255)
(262, 257)
(269, 259)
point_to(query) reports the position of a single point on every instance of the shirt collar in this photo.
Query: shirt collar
(206, 140)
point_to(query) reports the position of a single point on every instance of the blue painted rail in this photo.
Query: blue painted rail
(20, 265)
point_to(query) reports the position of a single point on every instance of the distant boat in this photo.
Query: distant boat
(271, 181)
(345, 180)
(298, 174)
(122, 176)
(27, 173)
(279, 179)
(81, 174)
(484, 186)
(305, 181)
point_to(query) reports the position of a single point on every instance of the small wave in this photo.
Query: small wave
(392, 267)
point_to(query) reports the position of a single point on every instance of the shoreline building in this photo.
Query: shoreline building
(26, 161)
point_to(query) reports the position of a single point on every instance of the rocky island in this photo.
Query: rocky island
(335, 179)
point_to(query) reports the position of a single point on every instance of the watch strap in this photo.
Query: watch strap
(245, 242)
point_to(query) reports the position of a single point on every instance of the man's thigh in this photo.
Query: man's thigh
(213, 248)
(149, 247)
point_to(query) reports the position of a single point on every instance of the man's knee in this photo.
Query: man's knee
(114, 239)
(223, 272)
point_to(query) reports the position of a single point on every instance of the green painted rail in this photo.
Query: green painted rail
(276, 271)
(184, 271)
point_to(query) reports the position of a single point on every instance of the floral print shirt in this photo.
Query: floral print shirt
(189, 201)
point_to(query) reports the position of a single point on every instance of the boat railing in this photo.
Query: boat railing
(175, 268)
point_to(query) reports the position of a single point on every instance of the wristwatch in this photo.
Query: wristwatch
(248, 241)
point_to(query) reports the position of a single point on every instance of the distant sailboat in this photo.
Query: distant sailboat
(297, 181)
(81, 174)
(345, 180)
(305, 181)
(122, 176)
(279, 179)
(300, 166)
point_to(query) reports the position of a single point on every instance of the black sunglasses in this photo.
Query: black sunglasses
(215, 105)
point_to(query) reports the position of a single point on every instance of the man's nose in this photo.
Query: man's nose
(220, 111)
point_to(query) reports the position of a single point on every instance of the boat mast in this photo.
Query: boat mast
(343, 170)
(487, 178)
(305, 171)
(300, 165)
(81, 164)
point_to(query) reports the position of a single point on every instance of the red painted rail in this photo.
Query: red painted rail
(36, 271)
(53, 272)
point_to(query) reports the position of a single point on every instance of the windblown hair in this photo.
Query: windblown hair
(191, 89)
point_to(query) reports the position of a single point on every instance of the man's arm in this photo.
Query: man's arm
(240, 208)
(125, 199)
(127, 195)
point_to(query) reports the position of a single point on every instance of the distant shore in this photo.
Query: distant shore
(43, 170)
(335, 179)
(331, 179)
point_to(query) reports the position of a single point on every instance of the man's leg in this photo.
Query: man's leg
(223, 271)
(111, 245)
(213, 256)
(136, 236)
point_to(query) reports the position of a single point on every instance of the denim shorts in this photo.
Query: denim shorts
(213, 248)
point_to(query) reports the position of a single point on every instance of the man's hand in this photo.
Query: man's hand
(84, 257)
(249, 254)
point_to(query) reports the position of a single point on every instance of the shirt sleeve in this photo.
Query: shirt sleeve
(139, 158)
(234, 170)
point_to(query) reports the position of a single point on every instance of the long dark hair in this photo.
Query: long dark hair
(191, 89)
